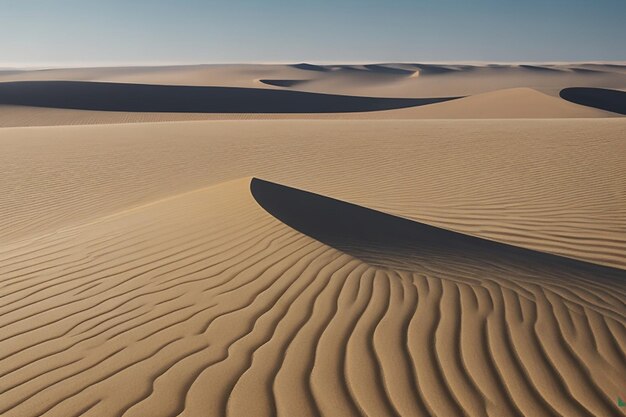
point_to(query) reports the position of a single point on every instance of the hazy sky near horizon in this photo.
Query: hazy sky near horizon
(116, 32)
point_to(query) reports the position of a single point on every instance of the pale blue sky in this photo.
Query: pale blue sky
(116, 32)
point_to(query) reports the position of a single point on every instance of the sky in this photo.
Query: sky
(47, 33)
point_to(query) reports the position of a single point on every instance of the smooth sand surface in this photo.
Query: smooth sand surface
(318, 268)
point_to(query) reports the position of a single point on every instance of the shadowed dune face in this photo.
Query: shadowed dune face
(384, 69)
(390, 241)
(600, 98)
(540, 68)
(310, 67)
(186, 99)
(284, 83)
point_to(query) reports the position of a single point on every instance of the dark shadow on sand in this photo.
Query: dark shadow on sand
(284, 83)
(310, 67)
(361, 232)
(600, 98)
(538, 68)
(106, 96)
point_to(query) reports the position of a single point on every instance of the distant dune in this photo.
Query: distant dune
(234, 92)
(374, 80)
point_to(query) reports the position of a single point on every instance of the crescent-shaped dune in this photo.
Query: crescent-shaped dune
(204, 303)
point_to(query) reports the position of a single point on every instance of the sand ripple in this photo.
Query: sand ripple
(205, 304)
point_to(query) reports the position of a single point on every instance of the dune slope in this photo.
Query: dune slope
(204, 303)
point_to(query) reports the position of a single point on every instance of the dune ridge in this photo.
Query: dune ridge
(210, 305)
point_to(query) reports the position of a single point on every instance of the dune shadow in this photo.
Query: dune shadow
(105, 96)
(384, 69)
(284, 83)
(587, 71)
(310, 67)
(538, 68)
(386, 240)
(600, 98)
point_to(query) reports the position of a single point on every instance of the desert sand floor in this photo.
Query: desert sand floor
(165, 269)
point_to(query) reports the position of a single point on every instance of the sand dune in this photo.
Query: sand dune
(205, 304)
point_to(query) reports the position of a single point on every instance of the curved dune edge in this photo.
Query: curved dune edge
(379, 237)
(205, 304)
(283, 82)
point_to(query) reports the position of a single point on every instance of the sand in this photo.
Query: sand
(384, 267)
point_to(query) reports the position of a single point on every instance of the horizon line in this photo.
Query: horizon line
(94, 65)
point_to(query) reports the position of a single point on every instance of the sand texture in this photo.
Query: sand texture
(472, 265)
(205, 304)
